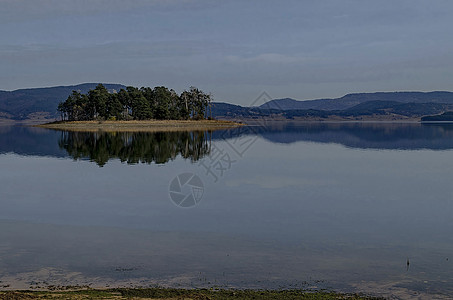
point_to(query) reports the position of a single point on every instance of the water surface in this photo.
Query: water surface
(312, 205)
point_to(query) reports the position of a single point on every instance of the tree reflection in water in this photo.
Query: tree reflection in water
(136, 147)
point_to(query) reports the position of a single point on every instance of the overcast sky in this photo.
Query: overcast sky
(233, 49)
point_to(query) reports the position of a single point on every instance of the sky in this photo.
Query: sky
(235, 50)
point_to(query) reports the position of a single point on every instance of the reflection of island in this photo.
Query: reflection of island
(135, 147)
(162, 147)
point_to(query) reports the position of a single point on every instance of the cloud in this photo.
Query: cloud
(301, 49)
(29, 10)
(113, 51)
(271, 58)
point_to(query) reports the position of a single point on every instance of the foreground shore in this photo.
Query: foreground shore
(145, 126)
(163, 293)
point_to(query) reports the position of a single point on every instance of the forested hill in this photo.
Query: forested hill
(363, 106)
(27, 103)
(350, 100)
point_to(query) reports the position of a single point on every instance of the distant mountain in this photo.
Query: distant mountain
(351, 100)
(221, 109)
(232, 111)
(285, 104)
(27, 103)
(398, 108)
(371, 110)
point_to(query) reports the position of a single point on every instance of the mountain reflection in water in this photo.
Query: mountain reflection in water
(359, 135)
(161, 147)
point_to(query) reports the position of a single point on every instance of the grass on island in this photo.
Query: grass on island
(167, 294)
(147, 125)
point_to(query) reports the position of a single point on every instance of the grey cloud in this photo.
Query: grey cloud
(26, 10)
(234, 49)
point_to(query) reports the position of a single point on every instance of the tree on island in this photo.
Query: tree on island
(136, 104)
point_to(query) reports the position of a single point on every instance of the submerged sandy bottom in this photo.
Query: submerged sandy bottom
(42, 256)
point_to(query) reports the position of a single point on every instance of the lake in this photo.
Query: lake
(353, 207)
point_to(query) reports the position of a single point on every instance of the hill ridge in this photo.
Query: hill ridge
(349, 100)
(25, 103)
(62, 86)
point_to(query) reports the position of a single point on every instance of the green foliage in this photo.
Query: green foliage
(114, 108)
(162, 99)
(75, 107)
(139, 104)
(97, 100)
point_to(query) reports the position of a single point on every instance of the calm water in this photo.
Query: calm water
(342, 206)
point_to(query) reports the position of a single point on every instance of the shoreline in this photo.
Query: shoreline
(192, 125)
(168, 293)
(140, 126)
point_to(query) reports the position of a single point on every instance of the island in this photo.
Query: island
(137, 109)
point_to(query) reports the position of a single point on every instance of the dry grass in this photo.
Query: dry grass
(143, 126)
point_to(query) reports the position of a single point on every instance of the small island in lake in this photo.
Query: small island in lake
(134, 109)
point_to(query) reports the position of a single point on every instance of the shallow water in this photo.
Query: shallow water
(342, 206)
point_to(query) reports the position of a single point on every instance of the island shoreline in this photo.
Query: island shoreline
(141, 126)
